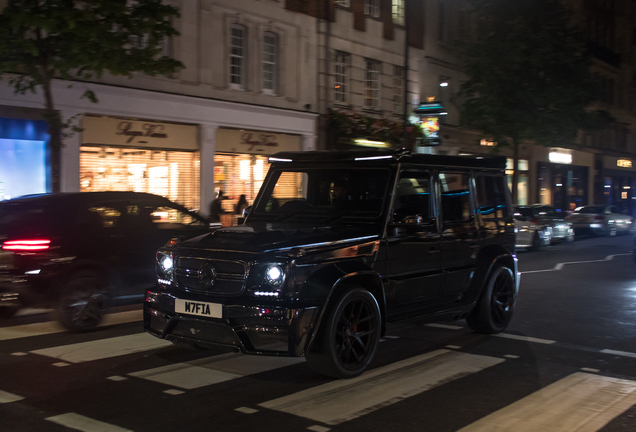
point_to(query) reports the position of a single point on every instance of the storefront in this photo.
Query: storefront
(241, 163)
(564, 177)
(119, 154)
(23, 157)
(616, 183)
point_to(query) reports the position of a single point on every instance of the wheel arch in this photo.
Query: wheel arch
(486, 261)
(331, 281)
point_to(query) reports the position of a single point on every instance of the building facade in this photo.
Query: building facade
(247, 91)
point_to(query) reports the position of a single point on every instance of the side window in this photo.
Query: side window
(104, 216)
(614, 209)
(413, 198)
(491, 197)
(170, 218)
(455, 197)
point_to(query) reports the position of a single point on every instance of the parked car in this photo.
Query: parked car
(79, 252)
(338, 244)
(600, 220)
(531, 235)
(547, 216)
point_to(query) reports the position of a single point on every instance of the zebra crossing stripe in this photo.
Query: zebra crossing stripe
(213, 370)
(104, 348)
(579, 402)
(84, 424)
(51, 327)
(6, 397)
(343, 400)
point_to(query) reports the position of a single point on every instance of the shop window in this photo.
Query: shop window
(22, 167)
(171, 174)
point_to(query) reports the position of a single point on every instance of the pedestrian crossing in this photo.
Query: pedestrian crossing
(582, 401)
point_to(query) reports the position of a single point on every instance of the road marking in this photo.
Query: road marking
(455, 347)
(619, 353)
(213, 370)
(50, 327)
(590, 370)
(317, 428)
(246, 410)
(61, 364)
(6, 397)
(511, 356)
(104, 348)
(559, 266)
(524, 338)
(343, 400)
(579, 402)
(19, 354)
(445, 326)
(116, 378)
(174, 392)
(84, 424)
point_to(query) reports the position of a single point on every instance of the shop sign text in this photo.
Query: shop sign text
(624, 163)
(254, 140)
(148, 130)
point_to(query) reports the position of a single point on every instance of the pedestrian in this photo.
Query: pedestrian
(216, 209)
(240, 205)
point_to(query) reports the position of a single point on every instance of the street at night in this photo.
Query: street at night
(566, 362)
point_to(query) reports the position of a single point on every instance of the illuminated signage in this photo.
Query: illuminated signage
(488, 143)
(430, 128)
(624, 163)
(556, 157)
(367, 143)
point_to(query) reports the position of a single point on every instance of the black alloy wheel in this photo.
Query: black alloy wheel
(350, 336)
(494, 310)
(82, 302)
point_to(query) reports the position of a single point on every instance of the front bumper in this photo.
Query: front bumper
(253, 329)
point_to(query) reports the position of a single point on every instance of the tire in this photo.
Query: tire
(349, 336)
(537, 243)
(7, 312)
(82, 301)
(495, 308)
(569, 237)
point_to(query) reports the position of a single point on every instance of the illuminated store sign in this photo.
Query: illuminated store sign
(624, 163)
(430, 128)
(557, 157)
(255, 142)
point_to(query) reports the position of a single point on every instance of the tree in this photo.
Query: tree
(43, 40)
(528, 76)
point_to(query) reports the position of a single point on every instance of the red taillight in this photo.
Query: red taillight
(535, 221)
(26, 245)
(599, 217)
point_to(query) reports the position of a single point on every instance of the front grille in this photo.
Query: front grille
(229, 276)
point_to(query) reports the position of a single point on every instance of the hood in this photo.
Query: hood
(272, 237)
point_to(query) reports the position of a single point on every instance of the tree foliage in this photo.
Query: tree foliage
(528, 75)
(42, 40)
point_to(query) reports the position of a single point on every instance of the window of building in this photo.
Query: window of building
(238, 43)
(372, 84)
(397, 11)
(172, 174)
(343, 3)
(341, 77)
(372, 8)
(441, 21)
(270, 63)
(398, 89)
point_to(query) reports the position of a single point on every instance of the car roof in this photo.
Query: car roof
(62, 196)
(388, 157)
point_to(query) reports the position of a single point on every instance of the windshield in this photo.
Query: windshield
(325, 195)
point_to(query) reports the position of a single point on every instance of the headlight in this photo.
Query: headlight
(274, 275)
(167, 264)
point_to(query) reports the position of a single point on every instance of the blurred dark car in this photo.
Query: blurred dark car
(547, 216)
(80, 252)
(600, 220)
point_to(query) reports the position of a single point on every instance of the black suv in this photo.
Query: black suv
(337, 245)
(78, 252)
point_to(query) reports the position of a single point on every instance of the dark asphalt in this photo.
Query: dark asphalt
(572, 313)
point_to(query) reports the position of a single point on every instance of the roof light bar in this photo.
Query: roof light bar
(374, 158)
(273, 159)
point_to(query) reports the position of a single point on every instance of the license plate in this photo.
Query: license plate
(212, 310)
